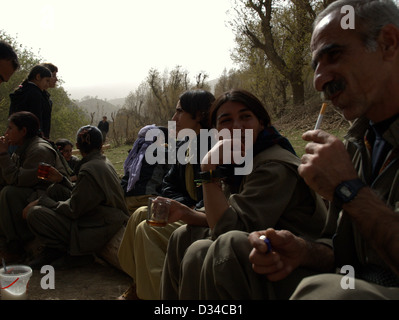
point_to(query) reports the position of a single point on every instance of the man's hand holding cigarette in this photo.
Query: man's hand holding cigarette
(326, 163)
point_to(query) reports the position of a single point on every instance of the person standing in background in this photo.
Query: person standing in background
(104, 127)
(29, 96)
(48, 106)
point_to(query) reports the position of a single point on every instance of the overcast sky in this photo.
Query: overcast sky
(106, 48)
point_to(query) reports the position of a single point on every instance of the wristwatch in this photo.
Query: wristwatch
(346, 191)
(208, 176)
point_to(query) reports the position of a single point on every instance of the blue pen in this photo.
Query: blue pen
(268, 243)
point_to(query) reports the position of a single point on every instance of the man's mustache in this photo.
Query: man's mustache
(332, 87)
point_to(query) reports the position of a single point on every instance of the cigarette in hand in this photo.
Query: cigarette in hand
(321, 115)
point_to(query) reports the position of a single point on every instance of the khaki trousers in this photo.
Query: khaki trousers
(135, 202)
(126, 248)
(328, 287)
(142, 253)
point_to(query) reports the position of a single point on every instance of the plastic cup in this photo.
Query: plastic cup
(14, 282)
(43, 170)
(158, 212)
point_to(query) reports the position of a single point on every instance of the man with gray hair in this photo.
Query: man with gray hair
(357, 69)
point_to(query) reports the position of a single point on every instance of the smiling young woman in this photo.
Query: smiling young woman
(272, 194)
(18, 179)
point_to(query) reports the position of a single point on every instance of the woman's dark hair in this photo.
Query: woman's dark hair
(197, 101)
(89, 138)
(62, 143)
(244, 97)
(39, 70)
(28, 120)
(50, 66)
(7, 53)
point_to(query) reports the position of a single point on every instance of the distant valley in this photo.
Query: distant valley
(100, 108)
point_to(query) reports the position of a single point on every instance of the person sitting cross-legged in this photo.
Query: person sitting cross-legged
(71, 231)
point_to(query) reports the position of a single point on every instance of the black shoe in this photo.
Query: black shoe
(46, 257)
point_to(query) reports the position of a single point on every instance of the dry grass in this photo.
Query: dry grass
(118, 156)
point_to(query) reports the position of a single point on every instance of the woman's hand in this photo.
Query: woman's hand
(3, 144)
(225, 151)
(177, 210)
(54, 175)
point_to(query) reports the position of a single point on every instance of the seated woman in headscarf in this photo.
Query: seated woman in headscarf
(142, 180)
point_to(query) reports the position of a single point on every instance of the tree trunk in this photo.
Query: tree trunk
(263, 9)
(298, 91)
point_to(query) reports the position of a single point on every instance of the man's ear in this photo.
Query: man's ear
(389, 41)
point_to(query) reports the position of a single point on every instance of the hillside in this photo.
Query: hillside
(117, 102)
(99, 107)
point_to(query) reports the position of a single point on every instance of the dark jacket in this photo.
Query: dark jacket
(350, 248)
(96, 208)
(179, 183)
(103, 126)
(46, 115)
(28, 97)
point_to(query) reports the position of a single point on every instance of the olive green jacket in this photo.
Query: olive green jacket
(274, 195)
(20, 169)
(349, 246)
(96, 208)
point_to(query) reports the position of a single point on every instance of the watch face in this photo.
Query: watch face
(345, 191)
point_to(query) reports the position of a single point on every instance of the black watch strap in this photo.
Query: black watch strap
(209, 175)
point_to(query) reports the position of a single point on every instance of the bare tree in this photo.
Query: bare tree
(165, 91)
(282, 31)
(92, 114)
(200, 80)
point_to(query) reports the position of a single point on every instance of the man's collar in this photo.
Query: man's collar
(360, 126)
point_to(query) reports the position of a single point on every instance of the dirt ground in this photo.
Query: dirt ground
(95, 281)
(101, 279)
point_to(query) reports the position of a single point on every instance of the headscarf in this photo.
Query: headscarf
(268, 137)
(134, 160)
